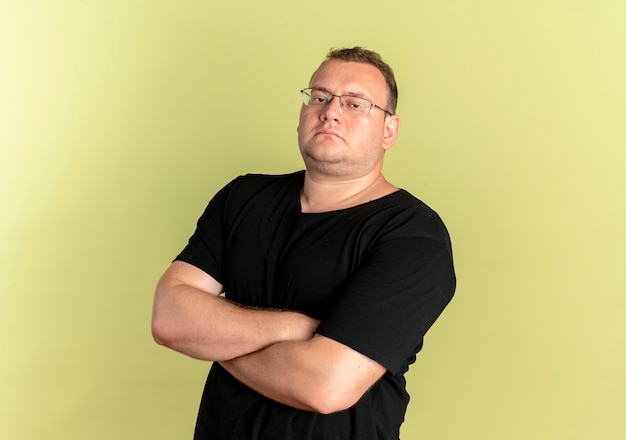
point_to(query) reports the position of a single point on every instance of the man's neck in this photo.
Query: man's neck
(325, 194)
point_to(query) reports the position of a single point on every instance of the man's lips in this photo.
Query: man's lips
(328, 132)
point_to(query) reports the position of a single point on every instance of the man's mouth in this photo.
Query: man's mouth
(328, 132)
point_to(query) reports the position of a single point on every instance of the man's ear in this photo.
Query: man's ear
(392, 128)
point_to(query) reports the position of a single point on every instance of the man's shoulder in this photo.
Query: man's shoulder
(259, 188)
(260, 181)
(408, 211)
(403, 201)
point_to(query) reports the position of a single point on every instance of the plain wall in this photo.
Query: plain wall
(119, 120)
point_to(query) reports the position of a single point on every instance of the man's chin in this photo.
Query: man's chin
(332, 167)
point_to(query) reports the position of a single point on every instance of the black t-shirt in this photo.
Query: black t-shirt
(377, 275)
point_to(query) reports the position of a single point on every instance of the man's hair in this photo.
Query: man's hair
(361, 55)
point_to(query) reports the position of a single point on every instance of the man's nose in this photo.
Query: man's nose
(333, 108)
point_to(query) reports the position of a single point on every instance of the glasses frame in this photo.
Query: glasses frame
(330, 96)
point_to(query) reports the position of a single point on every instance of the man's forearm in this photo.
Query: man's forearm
(272, 373)
(319, 375)
(207, 326)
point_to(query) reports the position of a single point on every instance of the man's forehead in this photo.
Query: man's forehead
(353, 77)
(347, 67)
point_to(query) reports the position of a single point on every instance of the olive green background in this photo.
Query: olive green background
(119, 120)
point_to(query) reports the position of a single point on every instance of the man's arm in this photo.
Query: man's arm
(189, 316)
(320, 374)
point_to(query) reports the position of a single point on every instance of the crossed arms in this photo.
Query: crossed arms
(276, 353)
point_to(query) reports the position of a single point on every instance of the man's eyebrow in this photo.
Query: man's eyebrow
(323, 89)
(348, 93)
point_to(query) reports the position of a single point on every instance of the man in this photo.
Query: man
(312, 291)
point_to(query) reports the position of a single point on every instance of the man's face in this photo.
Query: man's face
(336, 142)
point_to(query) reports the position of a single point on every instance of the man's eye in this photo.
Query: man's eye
(318, 97)
(355, 103)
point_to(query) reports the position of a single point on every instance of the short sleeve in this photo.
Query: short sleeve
(386, 307)
(205, 248)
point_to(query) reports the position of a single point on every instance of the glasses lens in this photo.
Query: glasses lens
(351, 104)
(313, 96)
(317, 97)
(356, 104)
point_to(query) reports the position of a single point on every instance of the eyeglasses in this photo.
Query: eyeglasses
(351, 104)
